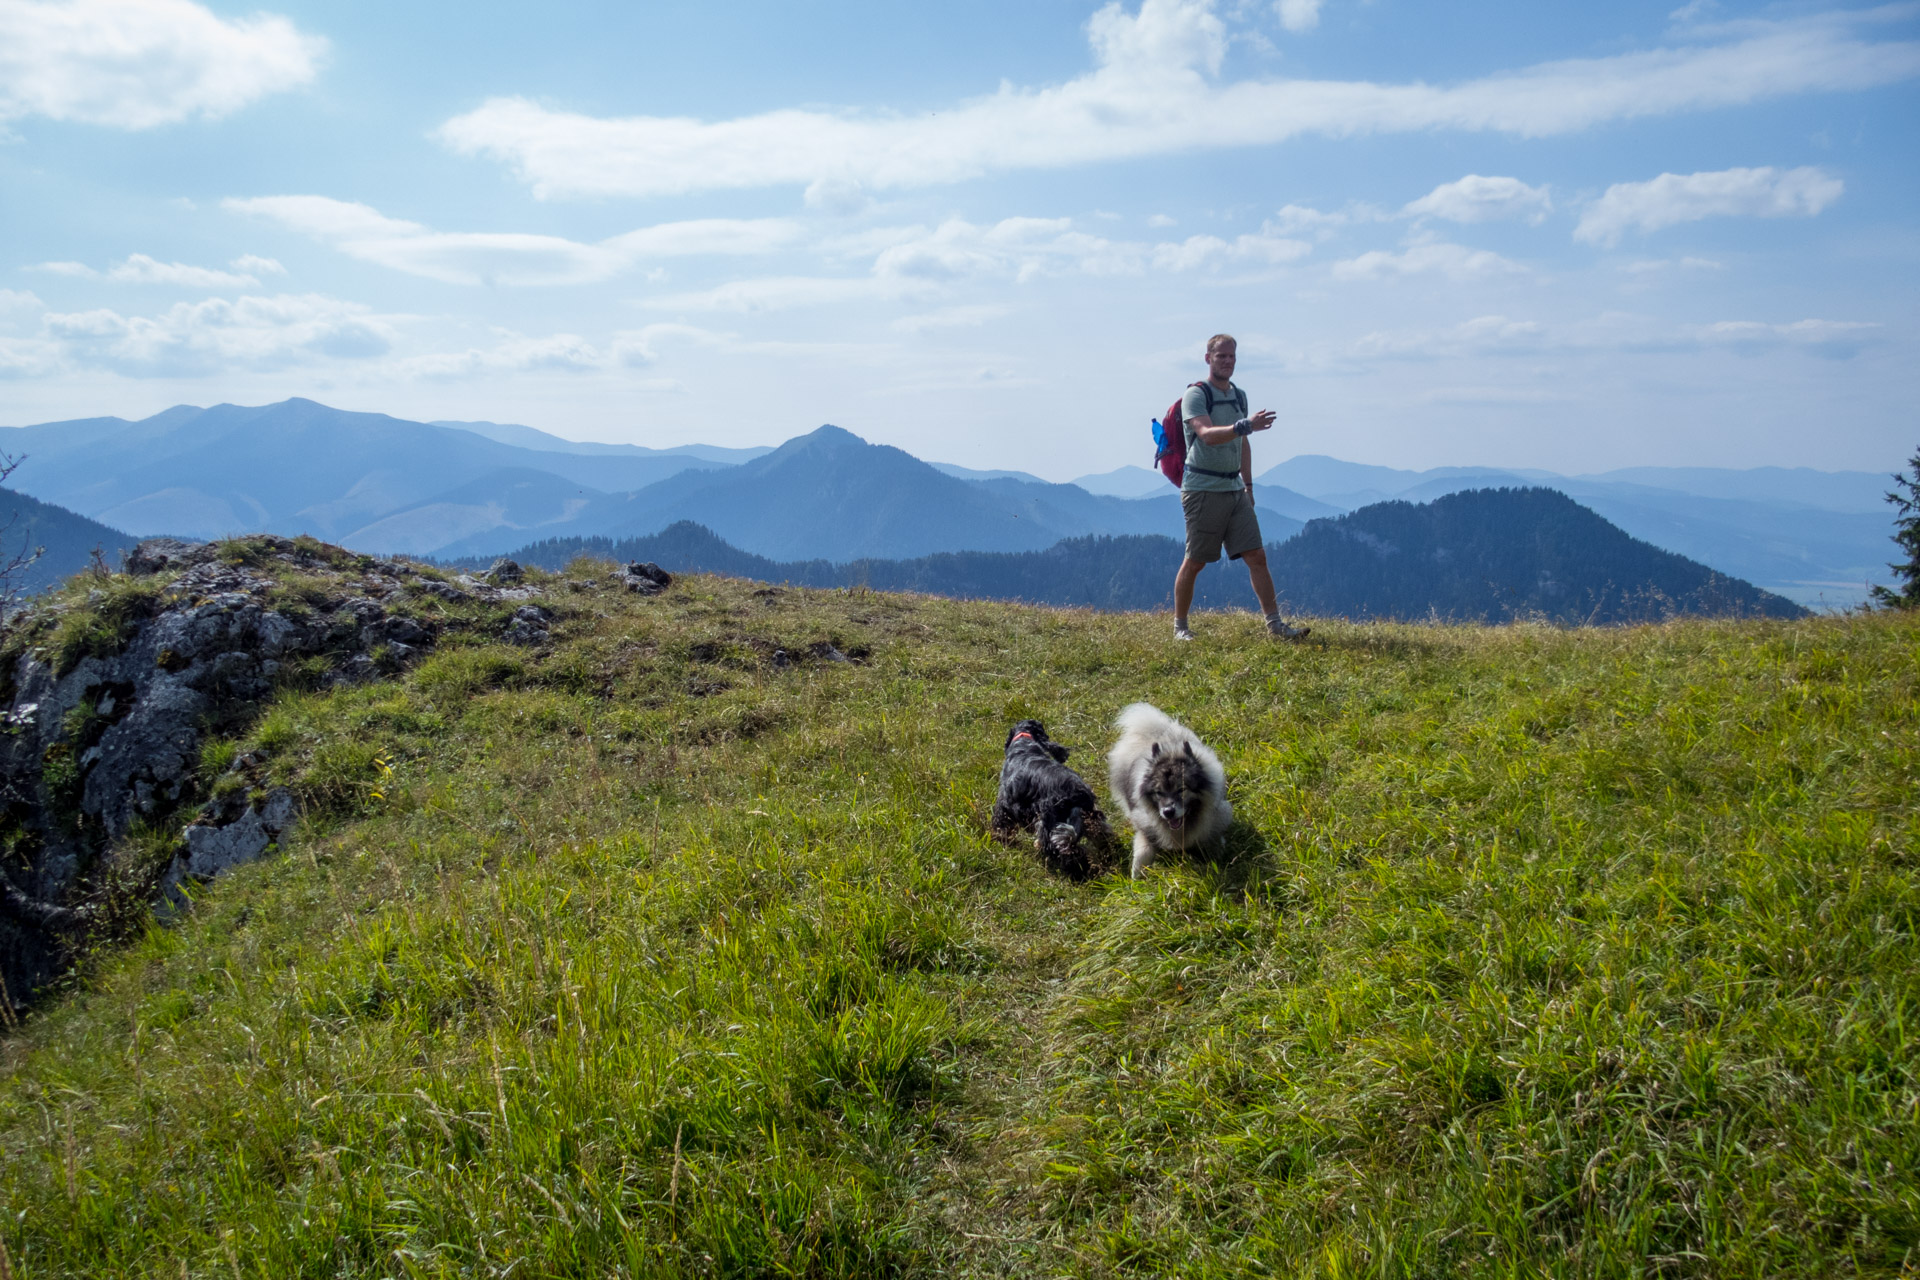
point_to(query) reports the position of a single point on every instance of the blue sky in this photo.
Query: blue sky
(1573, 237)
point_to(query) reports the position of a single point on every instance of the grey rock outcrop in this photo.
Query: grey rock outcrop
(529, 626)
(113, 740)
(222, 841)
(644, 577)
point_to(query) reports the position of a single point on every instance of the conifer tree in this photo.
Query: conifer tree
(1906, 533)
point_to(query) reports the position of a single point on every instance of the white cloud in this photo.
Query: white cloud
(253, 264)
(841, 197)
(1673, 198)
(1659, 266)
(642, 346)
(1154, 92)
(1484, 335)
(781, 293)
(141, 269)
(1456, 262)
(29, 358)
(1025, 248)
(1020, 248)
(513, 353)
(134, 64)
(218, 335)
(1298, 15)
(19, 301)
(507, 258)
(1196, 252)
(1160, 220)
(1477, 199)
(1499, 337)
(1835, 339)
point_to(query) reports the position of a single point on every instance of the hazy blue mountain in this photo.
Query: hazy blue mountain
(1810, 555)
(1817, 537)
(509, 503)
(476, 488)
(291, 467)
(831, 495)
(533, 438)
(1482, 555)
(1125, 482)
(1857, 492)
(959, 472)
(1496, 555)
(69, 540)
(1348, 486)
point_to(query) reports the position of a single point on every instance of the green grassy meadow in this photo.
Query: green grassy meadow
(1533, 952)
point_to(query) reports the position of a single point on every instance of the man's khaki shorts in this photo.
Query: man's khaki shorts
(1219, 519)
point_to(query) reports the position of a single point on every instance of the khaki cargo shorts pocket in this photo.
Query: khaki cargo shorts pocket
(1216, 520)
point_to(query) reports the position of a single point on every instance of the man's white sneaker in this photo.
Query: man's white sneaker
(1181, 633)
(1285, 632)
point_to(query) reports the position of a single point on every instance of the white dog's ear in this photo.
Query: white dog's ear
(1155, 753)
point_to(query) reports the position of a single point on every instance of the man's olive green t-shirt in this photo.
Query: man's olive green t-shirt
(1228, 407)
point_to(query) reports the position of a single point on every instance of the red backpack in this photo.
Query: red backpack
(1170, 440)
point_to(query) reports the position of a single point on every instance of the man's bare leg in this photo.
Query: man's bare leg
(1183, 591)
(1262, 580)
(1269, 604)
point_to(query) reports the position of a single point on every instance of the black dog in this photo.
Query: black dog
(1041, 797)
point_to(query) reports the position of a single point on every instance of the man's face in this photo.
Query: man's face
(1220, 361)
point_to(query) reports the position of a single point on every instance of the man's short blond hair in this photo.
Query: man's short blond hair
(1213, 343)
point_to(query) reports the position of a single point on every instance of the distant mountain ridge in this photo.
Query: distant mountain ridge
(1815, 536)
(386, 484)
(1495, 555)
(1485, 555)
(383, 484)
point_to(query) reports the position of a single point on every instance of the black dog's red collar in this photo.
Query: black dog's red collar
(1022, 734)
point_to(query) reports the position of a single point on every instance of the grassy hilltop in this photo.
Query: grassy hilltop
(1586, 953)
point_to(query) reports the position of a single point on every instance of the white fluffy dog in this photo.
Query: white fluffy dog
(1170, 786)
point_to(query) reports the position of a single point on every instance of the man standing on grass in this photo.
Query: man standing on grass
(1216, 491)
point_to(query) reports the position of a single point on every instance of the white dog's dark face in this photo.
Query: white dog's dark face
(1176, 786)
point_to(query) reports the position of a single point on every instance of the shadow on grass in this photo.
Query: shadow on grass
(1375, 644)
(1236, 866)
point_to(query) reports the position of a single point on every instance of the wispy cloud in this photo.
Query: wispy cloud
(1298, 15)
(512, 353)
(1503, 336)
(1661, 266)
(1835, 339)
(1456, 262)
(1674, 198)
(135, 64)
(1154, 91)
(141, 269)
(1477, 199)
(221, 334)
(507, 257)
